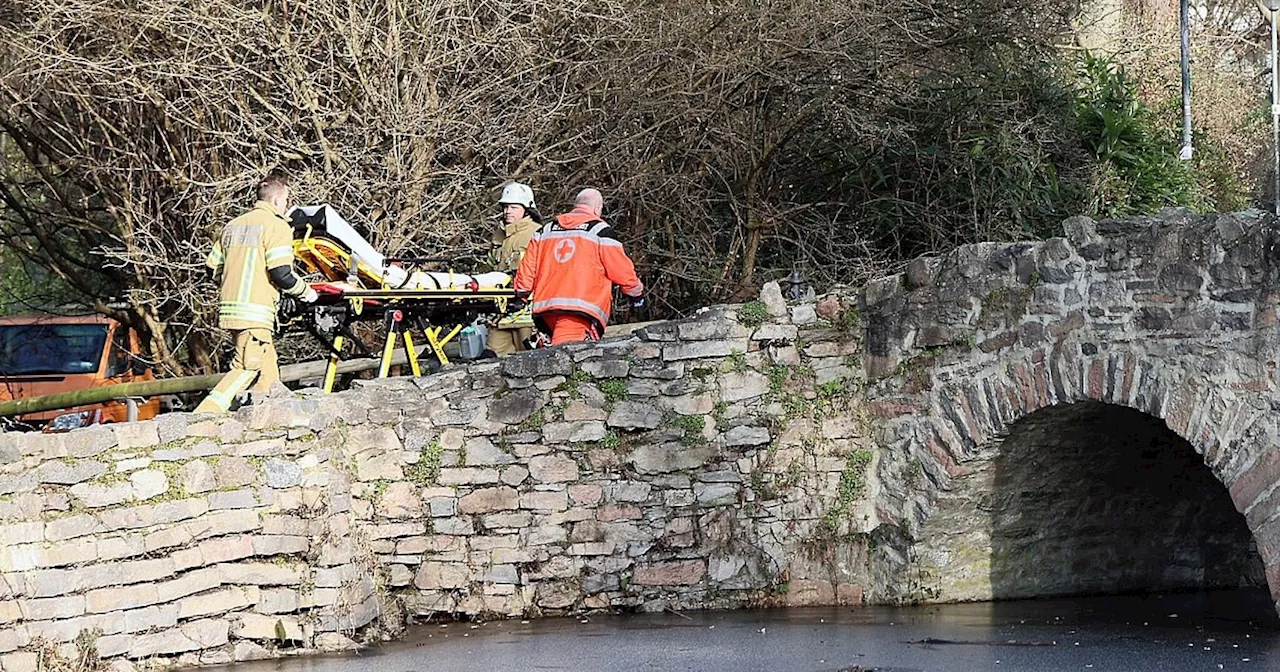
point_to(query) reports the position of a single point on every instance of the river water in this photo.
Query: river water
(1223, 630)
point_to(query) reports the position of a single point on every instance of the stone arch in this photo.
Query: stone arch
(1219, 418)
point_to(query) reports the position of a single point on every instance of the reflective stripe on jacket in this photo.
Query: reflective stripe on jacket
(249, 246)
(571, 265)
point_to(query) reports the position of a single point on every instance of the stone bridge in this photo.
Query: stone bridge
(1087, 414)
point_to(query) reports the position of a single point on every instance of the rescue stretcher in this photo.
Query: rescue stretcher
(356, 283)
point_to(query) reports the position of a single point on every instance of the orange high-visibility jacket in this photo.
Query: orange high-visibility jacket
(571, 265)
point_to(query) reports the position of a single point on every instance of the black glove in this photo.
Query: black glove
(637, 302)
(515, 305)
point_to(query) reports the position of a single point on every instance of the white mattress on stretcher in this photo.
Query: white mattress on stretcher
(396, 277)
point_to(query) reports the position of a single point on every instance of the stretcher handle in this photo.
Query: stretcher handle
(418, 260)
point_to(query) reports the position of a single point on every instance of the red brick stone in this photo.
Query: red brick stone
(611, 512)
(683, 573)
(971, 421)
(1179, 410)
(1130, 364)
(849, 594)
(1063, 327)
(1258, 478)
(999, 342)
(893, 408)
(1096, 386)
(1042, 383)
(944, 457)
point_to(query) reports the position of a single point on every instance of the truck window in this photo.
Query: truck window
(51, 348)
(119, 352)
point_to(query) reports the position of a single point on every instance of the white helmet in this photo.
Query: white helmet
(515, 192)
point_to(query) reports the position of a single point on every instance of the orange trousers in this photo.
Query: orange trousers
(570, 328)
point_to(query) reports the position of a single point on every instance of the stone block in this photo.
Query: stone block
(394, 530)
(69, 473)
(743, 385)
(260, 574)
(216, 602)
(592, 548)
(746, 435)
(482, 453)
(132, 435)
(612, 512)
(333, 642)
(234, 472)
(586, 495)
(193, 636)
(190, 583)
(149, 618)
(682, 573)
(247, 651)
(635, 415)
(261, 627)
(515, 475)
(278, 601)
(89, 441)
(547, 534)
(673, 352)
(771, 296)
(246, 498)
(665, 458)
(22, 533)
(629, 491)
(467, 476)
(282, 473)
(106, 600)
(96, 496)
(545, 501)
(400, 500)
(585, 431)
(379, 467)
(553, 469)
(715, 494)
(219, 523)
(515, 406)
(538, 363)
(488, 500)
(20, 661)
(500, 574)
(439, 575)
(443, 506)
(197, 476)
(278, 544)
(52, 608)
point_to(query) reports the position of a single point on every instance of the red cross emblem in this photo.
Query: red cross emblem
(564, 250)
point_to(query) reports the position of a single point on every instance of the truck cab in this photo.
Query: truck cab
(48, 354)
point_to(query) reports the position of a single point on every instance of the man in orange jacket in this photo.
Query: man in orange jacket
(570, 268)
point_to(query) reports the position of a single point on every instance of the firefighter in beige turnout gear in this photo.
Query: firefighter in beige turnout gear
(520, 220)
(255, 256)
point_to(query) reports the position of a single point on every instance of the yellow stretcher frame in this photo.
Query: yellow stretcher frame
(404, 300)
(327, 258)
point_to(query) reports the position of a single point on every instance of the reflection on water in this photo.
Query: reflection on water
(1222, 630)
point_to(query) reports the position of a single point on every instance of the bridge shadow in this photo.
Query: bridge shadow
(1092, 499)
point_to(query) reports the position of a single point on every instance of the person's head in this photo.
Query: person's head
(274, 189)
(516, 201)
(590, 200)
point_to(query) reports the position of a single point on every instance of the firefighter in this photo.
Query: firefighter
(520, 220)
(569, 271)
(255, 256)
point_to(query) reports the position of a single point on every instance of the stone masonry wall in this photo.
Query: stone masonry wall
(695, 464)
(749, 456)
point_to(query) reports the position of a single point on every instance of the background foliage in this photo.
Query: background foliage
(735, 140)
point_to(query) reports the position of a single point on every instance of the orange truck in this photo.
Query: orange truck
(49, 354)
